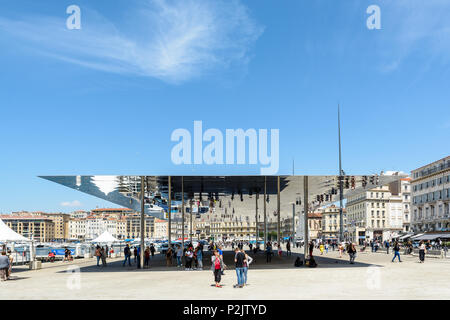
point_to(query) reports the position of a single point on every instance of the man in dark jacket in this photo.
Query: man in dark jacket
(127, 254)
(4, 266)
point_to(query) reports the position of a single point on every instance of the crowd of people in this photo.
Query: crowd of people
(136, 253)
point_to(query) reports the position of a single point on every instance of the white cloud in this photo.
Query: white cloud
(170, 40)
(414, 28)
(74, 203)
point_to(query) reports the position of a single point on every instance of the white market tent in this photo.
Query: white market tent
(8, 235)
(105, 237)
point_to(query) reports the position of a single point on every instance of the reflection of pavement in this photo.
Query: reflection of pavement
(372, 277)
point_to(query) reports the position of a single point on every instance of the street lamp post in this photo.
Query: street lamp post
(341, 187)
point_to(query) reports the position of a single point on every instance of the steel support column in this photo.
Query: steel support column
(306, 209)
(169, 208)
(256, 218)
(278, 211)
(265, 211)
(142, 249)
(182, 213)
(190, 224)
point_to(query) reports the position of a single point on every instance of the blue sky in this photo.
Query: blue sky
(105, 99)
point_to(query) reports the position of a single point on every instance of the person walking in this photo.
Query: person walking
(387, 247)
(311, 248)
(152, 250)
(422, 249)
(4, 266)
(98, 254)
(138, 257)
(67, 254)
(216, 267)
(189, 256)
(351, 250)
(11, 259)
(179, 254)
(247, 262)
(396, 251)
(127, 254)
(199, 254)
(169, 257)
(321, 248)
(146, 257)
(268, 252)
(326, 247)
(103, 256)
(280, 252)
(239, 260)
(288, 248)
(135, 252)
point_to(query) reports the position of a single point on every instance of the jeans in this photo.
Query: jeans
(125, 261)
(240, 276)
(98, 260)
(396, 254)
(244, 275)
(179, 261)
(352, 257)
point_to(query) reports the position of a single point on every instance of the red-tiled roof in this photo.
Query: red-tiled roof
(112, 209)
(315, 215)
(11, 217)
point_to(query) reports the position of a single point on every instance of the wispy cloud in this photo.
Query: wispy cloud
(414, 28)
(74, 203)
(172, 40)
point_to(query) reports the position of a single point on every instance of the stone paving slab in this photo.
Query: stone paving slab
(373, 277)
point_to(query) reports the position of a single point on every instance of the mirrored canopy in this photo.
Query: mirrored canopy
(211, 191)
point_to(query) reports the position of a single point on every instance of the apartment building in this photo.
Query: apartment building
(38, 228)
(331, 222)
(133, 226)
(161, 229)
(430, 192)
(61, 221)
(374, 214)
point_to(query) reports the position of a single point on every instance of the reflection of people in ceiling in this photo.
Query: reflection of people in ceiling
(106, 184)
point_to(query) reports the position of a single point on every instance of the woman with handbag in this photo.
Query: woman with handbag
(216, 267)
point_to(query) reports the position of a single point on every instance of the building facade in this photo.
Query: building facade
(331, 222)
(430, 192)
(37, 228)
(61, 221)
(161, 229)
(375, 214)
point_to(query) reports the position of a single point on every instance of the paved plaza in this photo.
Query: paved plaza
(373, 276)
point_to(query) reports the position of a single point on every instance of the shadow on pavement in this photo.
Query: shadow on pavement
(158, 263)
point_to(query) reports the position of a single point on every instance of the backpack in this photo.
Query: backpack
(298, 262)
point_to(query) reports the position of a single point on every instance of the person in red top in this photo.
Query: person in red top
(51, 256)
(146, 257)
(216, 267)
